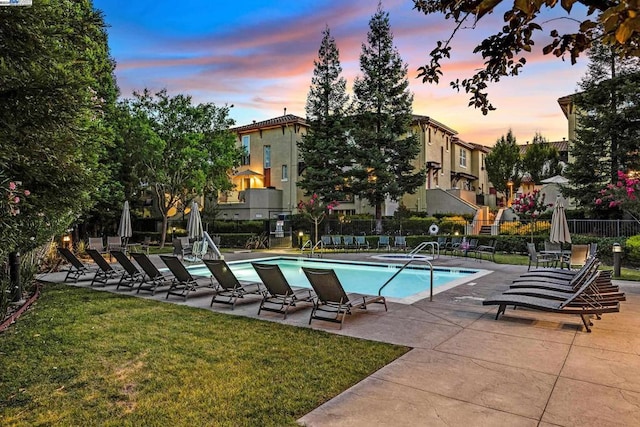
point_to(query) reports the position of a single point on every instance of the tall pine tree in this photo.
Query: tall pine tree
(383, 146)
(503, 164)
(607, 125)
(322, 148)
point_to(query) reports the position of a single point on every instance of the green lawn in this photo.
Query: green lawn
(83, 357)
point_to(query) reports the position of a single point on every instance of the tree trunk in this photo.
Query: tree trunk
(379, 218)
(14, 276)
(163, 236)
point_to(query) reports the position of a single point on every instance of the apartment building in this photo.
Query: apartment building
(266, 182)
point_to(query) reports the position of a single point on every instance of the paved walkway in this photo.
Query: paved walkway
(466, 369)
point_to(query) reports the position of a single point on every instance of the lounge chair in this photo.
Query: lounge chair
(578, 256)
(131, 273)
(331, 297)
(279, 296)
(184, 282)
(228, 286)
(349, 243)
(554, 274)
(598, 290)
(336, 242)
(400, 243)
(383, 242)
(362, 243)
(573, 304)
(105, 272)
(538, 258)
(153, 278)
(76, 268)
(327, 242)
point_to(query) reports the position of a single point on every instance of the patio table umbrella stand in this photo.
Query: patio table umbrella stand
(124, 230)
(559, 232)
(194, 224)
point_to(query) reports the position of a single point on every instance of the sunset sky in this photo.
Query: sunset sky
(258, 56)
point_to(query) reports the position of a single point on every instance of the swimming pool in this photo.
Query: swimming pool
(411, 285)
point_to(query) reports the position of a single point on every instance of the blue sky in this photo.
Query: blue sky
(258, 56)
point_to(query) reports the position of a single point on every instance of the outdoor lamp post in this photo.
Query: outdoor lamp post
(300, 235)
(617, 258)
(173, 232)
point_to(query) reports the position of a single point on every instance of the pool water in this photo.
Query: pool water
(409, 286)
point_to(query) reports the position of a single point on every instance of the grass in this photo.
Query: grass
(83, 357)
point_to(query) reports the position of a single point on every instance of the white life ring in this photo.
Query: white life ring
(433, 230)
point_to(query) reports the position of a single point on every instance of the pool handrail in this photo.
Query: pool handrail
(403, 267)
(423, 245)
(212, 245)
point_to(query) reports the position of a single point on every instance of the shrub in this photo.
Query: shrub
(633, 249)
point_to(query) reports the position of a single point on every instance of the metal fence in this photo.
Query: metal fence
(589, 227)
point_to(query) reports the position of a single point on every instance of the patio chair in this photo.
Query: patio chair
(228, 286)
(131, 273)
(571, 305)
(105, 272)
(538, 258)
(279, 296)
(383, 242)
(97, 244)
(180, 248)
(578, 256)
(400, 243)
(115, 243)
(331, 297)
(362, 243)
(489, 249)
(146, 244)
(153, 277)
(452, 245)
(184, 282)
(76, 268)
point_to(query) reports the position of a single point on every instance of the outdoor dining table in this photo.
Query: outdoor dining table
(557, 254)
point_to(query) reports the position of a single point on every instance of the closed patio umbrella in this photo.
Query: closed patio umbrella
(194, 224)
(559, 232)
(124, 230)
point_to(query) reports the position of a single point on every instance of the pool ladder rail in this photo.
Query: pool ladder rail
(435, 249)
(312, 248)
(405, 266)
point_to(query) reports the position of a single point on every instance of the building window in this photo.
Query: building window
(267, 156)
(442, 160)
(447, 139)
(246, 147)
(285, 173)
(463, 157)
(429, 134)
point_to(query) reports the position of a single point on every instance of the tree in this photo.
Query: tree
(315, 210)
(541, 160)
(503, 163)
(613, 23)
(185, 150)
(56, 83)
(383, 145)
(322, 148)
(607, 125)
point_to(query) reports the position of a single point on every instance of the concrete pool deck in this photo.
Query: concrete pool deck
(529, 368)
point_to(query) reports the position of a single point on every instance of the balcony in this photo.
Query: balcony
(252, 203)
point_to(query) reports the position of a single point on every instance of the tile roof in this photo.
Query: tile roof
(561, 146)
(270, 123)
